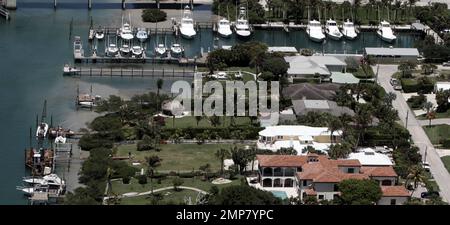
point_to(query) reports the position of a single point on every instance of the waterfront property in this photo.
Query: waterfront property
(310, 66)
(297, 137)
(319, 176)
(369, 157)
(301, 91)
(392, 55)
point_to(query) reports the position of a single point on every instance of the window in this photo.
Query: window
(267, 171)
(267, 182)
(321, 197)
(305, 183)
(277, 183)
(335, 187)
(351, 170)
(393, 202)
(386, 183)
(288, 183)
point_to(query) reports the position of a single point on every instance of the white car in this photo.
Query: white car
(426, 166)
(220, 76)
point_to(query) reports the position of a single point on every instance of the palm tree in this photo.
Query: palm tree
(428, 106)
(222, 154)
(428, 68)
(214, 120)
(152, 162)
(389, 98)
(334, 125)
(159, 84)
(416, 175)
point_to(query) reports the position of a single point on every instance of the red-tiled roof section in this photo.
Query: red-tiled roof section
(394, 191)
(379, 171)
(281, 160)
(348, 162)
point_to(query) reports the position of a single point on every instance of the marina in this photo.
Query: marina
(52, 46)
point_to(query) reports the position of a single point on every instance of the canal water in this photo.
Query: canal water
(36, 44)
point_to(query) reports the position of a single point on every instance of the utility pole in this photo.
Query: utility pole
(425, 155)
(407, 114)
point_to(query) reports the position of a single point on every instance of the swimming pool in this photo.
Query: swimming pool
(280, 194)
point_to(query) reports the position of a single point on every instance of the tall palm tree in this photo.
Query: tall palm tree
(159, 84)
(333, 126)
(152, 162)
(389, 98)
(222, 154)
(428, 106)
(416, 175)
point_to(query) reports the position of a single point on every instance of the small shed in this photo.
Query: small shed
(392, 55)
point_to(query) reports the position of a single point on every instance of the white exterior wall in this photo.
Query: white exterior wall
(387, 200)
(325, 189)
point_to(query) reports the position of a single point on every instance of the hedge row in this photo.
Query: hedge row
(245, 132)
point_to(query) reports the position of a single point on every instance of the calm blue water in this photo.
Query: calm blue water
(35, 45)
(280, 194)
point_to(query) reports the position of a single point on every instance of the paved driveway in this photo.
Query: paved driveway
(418, 135)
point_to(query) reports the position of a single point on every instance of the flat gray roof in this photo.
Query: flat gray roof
(392, 51)
(285, 49)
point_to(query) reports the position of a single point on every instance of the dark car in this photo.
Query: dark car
(429, 194)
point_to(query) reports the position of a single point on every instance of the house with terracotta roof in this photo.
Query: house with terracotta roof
(319, 176)
(298, 137)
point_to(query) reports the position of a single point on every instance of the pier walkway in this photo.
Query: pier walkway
(124, 72)
(4, 12)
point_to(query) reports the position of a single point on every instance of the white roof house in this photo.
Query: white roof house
(297, 137)
(393, 51)
(310, 65)
(441, 86)
(368, 157)
(291, 130)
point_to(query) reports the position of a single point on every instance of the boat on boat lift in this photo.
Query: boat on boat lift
(112, 50)
(42, 130)
(100, 34)
(125, 50)
(176, 50)
(142, 34)
(349, 30)
(51, 179)
(137, 51)
(187, 24)
(161, 50)
(70, 70)
(314, 31)
(242, 27)
(385, 32)
(332, 30)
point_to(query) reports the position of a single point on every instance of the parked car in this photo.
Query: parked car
(429, 194)
(426, 166)
(220, 76)
(396, 84)
(446, 64)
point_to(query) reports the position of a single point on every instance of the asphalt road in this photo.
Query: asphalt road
(418, 135)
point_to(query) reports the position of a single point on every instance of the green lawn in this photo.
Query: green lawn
(365, 73)
(119, 188)
(438, 115)
(446, 161)
(437, 132)
(168, 197)
(190, 121)
(178, 157)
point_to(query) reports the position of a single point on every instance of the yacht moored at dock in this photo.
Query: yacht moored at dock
(41, 131)
(112, 50)
(100, 34)
(125, 32)
(332, 30)
(125, 50)
(385, 32)
(161, 50)
(137, 51)
(224, 28)
(242, 27)
(187, 24)
(176, 50)
(349, 30)
(70, 70)
(142, 34)
(314, 31)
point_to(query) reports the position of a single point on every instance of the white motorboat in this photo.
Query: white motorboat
(28, 191)
(42, 130)
(126, 32)
(161, 50)
(187, 24)
(78, 47)
(88, 101)
(242, 26)
(69, 70)
(349, 30)
(332, 30)
(385, 32)
(125, 50)
(99, 34)
(314, 31)
(137, 51)
(51, 179)
(112, 50)
(176, 50)
(142, 34)
(60, 140)
(224, 28)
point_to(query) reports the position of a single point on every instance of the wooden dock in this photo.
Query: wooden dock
(123, 72)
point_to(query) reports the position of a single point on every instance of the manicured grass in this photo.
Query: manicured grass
(437, 133)
(446, 161)
(119, 188)
(168, 197)
(438, 115)
(178, 157)
(190, 121)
